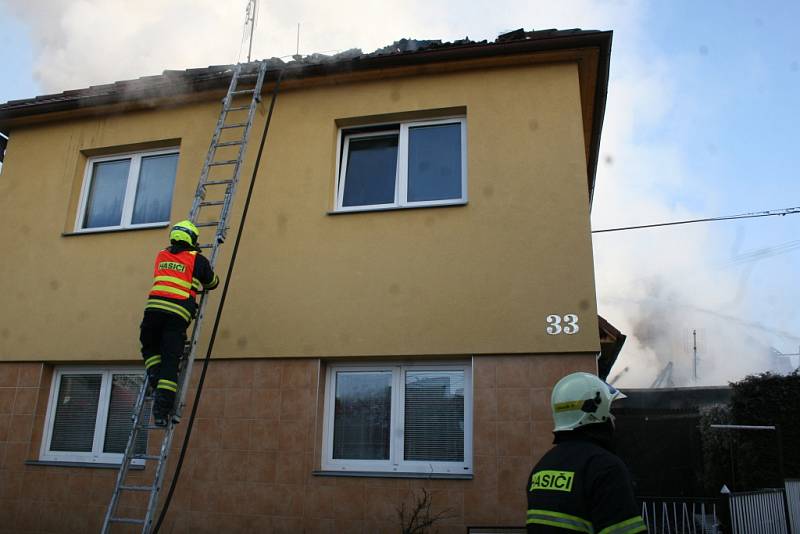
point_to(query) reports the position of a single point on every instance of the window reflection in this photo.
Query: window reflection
(362, 415)
(371, 171)
(434, 162)
(107, 192)
(154, 192)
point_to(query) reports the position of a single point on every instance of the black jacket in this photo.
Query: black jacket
(580, 486)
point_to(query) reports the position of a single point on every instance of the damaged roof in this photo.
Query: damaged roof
(611, 341)
(405, 52)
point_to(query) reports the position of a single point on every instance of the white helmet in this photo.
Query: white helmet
(581, 399)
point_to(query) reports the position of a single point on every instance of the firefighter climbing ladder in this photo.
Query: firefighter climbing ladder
(211, 208)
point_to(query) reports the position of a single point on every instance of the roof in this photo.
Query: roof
(661, 400)
(406, 52)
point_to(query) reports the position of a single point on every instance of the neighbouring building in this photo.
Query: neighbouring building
(660, 427)
(367, 349)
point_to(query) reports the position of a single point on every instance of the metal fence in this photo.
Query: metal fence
(754, 512)
(758, 512)
(674, 516)
(793, 504)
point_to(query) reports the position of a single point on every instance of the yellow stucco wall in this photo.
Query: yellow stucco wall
(479, 278)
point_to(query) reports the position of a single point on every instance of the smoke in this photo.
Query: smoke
(78, 43)
(659, 285)
(86, 42)
(656, 285)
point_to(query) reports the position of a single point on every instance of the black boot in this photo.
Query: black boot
(162, 406)
(152, 376)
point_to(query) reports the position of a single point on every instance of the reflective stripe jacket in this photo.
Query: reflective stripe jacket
(578, 486)
(179, 273)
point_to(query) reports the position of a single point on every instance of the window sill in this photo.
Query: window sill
(379, 474)
(397, 208)
(157, 226)
(53, 463)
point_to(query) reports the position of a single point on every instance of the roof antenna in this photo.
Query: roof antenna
(250, 24)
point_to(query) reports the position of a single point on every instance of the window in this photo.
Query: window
(404, 165)
(127, 191)
(89, 414)
(404, 418)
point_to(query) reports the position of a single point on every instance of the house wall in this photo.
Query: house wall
(309, 288)
(474, 279)
(256, 442)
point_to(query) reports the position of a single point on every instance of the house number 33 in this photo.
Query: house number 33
(568, 324)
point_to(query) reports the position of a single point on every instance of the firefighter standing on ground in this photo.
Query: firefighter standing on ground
(580, 485)
(180, 272)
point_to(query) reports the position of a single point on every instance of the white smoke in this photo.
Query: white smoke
(655, 285)
(659, 285)
(83, 42)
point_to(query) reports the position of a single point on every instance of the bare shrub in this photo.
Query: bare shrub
(419, 519)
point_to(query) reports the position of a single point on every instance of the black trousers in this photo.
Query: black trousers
(163, 336)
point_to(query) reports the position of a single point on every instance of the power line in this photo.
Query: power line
(769, 213)
(755, 325)
(767, 252)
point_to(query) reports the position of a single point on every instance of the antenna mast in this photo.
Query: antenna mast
(250, 24)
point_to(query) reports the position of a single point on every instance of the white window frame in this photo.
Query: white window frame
(395, 463)
(401, 176)
(130, 189)
(97, 455)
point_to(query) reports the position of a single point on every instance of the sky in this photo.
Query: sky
(703, 100)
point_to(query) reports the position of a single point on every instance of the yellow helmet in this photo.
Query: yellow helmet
(184, 231)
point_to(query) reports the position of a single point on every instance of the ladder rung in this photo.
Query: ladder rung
(130, 520)
(136, 488)
(206, 246)
(226, 162)
(237, 125)
(230, 143)
(152, 427)
(206, 224)
(217, 182)
(213, 203)
(244, 92)
(248, 75)
(237, 108)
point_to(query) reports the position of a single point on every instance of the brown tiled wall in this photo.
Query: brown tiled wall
(255, 443)
(513, 429)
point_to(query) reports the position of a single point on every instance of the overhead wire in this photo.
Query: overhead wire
(765, 252)
(769, 213)
(241, 44)
(754, 325)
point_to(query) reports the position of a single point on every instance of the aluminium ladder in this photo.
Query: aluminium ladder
(214, 199)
